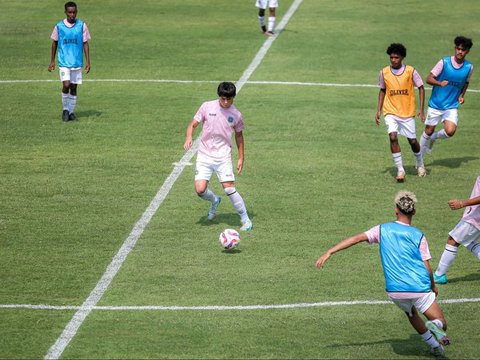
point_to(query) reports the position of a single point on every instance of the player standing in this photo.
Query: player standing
(262, 6)
(449, 78)
(220, 119)
(397, 98)
(466, 233)
(405, 261)
(70, 36)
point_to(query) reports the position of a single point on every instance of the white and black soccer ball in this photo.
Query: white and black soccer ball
(229, 239)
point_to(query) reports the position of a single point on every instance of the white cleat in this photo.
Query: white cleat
(421, 171)
(400, 176)
(212, 211)
(247, 225)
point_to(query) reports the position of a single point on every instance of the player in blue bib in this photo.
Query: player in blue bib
(449, 78)
(70, 37)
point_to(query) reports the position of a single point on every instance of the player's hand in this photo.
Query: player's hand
(239, 166)
(51, 67)
(455, 204)
(87, 68)
(435, 290)
(444, 83)
(421, 115)
(377, 117)
(321, 260)
(461, 100)
(188, 143)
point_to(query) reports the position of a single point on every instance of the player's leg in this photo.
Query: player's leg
(433, 117)
(203, 173)
(76, 79)
(272, 4)
(407, 129)
(65, 78)
(261, 5)
(436, 322)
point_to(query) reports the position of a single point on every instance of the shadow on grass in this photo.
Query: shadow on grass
(88, 114)
(231, 220)
(413, 346)
(470, 277)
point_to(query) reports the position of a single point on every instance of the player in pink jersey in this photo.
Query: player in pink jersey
(220, 119)
(466, 233)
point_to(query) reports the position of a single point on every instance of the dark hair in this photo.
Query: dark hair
(462, 40)
(227, 89)
(398, 49)
(70, 4)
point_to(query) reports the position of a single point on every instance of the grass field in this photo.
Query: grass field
(317, 169)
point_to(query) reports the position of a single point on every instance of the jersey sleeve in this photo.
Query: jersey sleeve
(373, 235)
(424, 250)
(417, 79)
(381, 81)
(199, 115)
(86, 33)
(54, 35)
(437, 69)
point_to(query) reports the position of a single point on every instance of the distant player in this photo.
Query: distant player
(397, 99)
(70, 36)
(405, 260)
(220, 119)
(262, 6)
(449, 78)
(466, 233)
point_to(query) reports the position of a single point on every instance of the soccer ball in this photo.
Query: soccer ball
(229, 239)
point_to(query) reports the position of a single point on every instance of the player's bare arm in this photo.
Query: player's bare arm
(240, 146)
(189, 135)
(381, 99)
(431, 80)
(86, 50)
(342, 245)
(421, 111)
(51, 67)
(456, 204)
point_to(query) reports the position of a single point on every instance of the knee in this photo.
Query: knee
(450, 132)
(230, 190)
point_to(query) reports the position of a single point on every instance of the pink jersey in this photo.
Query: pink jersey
(472, 213)
(86, 33)
(218, 124)
(374, 238)
(417, 79)
(437, 69)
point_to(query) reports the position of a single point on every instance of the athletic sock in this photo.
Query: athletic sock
(261, 21)
(397, 159)
(237, 202)
(72, 103)
(449, 254)
(430, 339)
(271, 23)
(424, 142)
(208, 195)
(439, 135)
(474, 247)
(65, 101)
(418, 159)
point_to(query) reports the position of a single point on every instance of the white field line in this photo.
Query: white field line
(220, 308)
(79, 317)
(253, 82)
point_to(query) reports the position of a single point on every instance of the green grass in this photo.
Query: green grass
(317, 169)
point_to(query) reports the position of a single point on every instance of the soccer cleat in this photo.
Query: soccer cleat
(429, 147)
(246, 225)
(72, 117)
(421, 171)
(212, 211)
(438, 352)
(65, 115)
(439, 334)
(442, 279)
(269, 33)
(400, 176)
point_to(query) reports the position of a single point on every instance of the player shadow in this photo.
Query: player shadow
(452, 163)
(469, 277)
(86, 115)
(230, 220)
(413, 346)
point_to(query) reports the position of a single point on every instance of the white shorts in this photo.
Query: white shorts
(434, 116)
(464, 233)
(405, 127)
(74, 75)
(224, 171)
(421, 303)
(262, 4)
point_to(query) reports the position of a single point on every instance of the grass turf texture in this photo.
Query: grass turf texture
(317, 170)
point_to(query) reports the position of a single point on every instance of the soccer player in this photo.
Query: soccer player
(397, 98)
(262, 6)
(449, 78)
(405, 260)
(220, 119)
(70, 36)
(466, 233)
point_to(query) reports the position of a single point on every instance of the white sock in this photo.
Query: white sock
(65, 101)
(72, 103)
(208, 195)
(271, 23)
(237, 202)
(430, 339)
(474, 247)
(449, 254)
(439, 135)
(438, 322)
(261, 21)
(424, 142)
(418, 159)
(397, 159)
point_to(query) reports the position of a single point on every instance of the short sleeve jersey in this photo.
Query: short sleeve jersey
(472, 213)
(218, 126)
